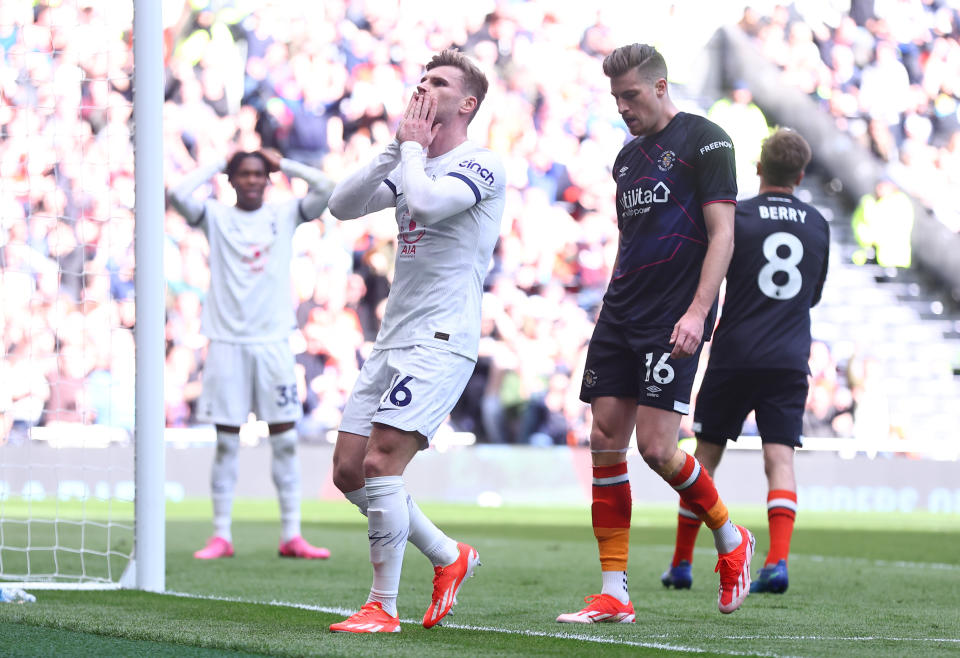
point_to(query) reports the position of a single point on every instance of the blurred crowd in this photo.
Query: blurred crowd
(325, 84)
(888, 71)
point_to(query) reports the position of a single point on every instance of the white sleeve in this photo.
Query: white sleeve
(315, 202)
(432, 201)
(181, 196)
(366, 190)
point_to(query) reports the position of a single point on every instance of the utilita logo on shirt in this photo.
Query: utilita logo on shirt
(473, 165)
(638, 200)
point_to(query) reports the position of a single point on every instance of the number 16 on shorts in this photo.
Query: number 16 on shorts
(398, 395)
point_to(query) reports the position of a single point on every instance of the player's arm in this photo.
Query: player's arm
(432, 201)
(688, 331)
(320, 186)
(181, 195)
(366, 190)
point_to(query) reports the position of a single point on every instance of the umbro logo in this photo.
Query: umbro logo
(653, 389)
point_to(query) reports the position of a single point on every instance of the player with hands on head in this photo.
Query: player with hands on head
(448, 194)
(761, 348)
(676, 193)
(248, 316)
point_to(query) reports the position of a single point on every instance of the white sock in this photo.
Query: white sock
(727, 537)
(388, 523)
(285, 469)
(359, 498)
(223, 482)
(432, 542)
(440, 549)
(615, 584)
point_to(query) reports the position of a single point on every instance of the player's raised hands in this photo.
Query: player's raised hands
(417, 124)
(273, 157)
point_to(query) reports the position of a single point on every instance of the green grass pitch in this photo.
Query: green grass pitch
(860, 584)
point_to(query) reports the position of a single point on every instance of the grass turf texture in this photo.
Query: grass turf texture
(877, 584)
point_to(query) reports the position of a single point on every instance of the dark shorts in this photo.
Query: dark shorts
(726, 397)
(624, 362)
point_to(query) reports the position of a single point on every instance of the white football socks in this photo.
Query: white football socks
(223, 481)
(440, 549)
(615, 584)
(727, 537)
(285, 469)
(388, 523)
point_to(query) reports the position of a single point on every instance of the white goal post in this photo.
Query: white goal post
(66, 521)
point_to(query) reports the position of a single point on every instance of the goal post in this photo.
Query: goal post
(149, 506)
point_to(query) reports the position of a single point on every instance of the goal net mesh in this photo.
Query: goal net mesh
(66, 291)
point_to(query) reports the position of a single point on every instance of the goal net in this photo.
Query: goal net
(67, 312)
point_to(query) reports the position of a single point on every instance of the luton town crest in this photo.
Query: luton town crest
(666, 160)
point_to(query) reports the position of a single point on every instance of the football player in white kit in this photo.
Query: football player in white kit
(248, 316)
(449, 196)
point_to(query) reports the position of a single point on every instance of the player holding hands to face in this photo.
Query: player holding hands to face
(448, 195)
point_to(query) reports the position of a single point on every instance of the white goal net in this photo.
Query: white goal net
(67, 313)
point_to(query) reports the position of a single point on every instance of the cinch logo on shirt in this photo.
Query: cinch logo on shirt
(715, 145)
(637, 201)
(473, 165)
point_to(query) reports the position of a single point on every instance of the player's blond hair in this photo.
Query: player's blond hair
(641, 56)
(475, 82)
(783, 157)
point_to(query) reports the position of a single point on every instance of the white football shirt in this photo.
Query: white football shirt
(249, 299)
(441, 260)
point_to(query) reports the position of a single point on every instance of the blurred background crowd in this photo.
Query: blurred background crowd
(325, 84)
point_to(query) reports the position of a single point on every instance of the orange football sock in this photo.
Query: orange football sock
(688, 525)
(698, 492)
(781, 515)
(611, 515)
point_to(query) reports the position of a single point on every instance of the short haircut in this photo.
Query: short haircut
(641, 56)
(783, 157)
(237, 158)
(474, 80)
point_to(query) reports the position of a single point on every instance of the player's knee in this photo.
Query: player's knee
(657, 456)
(283, 447)
(227, 446)
(347, 476)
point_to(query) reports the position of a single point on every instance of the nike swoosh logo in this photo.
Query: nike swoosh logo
(379, 409)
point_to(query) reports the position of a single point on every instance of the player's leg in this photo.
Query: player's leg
(610, 511)
(423, 386)
(610, 382)
(388, 452)
(375, 382)
(225, 401)
(679, 574)
(780, 421)
(348, 457)
(277, 403)
(781, 516)
(661, 404)
(722, 406)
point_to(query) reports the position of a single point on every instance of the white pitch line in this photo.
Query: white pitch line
(588, 638)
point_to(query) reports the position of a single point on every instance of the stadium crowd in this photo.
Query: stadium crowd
(325, 84)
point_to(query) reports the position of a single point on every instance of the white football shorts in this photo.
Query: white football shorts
(410, 388)
(242, 377)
